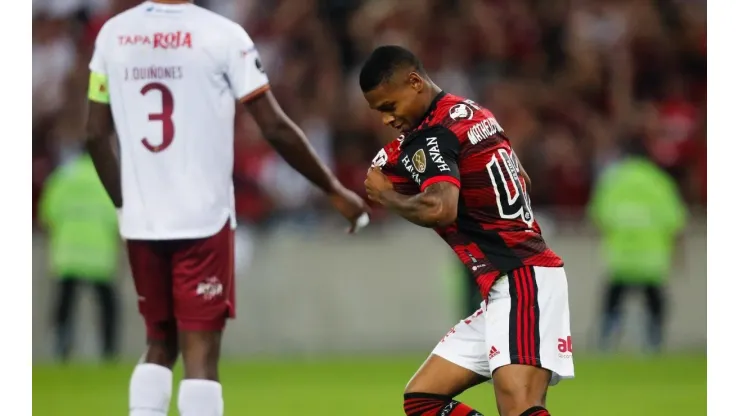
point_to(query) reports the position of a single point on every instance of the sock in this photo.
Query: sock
(536, 411)
(425, 404)
(150, 390)
(200, 398)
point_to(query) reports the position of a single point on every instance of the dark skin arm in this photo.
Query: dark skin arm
(290, 142)
(100, 128)
(436, 206)
(525, 176)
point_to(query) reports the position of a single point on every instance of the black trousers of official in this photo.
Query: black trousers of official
(655, 305)
(67, 295)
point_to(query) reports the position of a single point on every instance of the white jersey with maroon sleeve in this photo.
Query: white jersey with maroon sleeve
(171, 74)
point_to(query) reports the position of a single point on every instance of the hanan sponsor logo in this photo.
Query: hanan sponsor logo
(406, 161)
(419, 159)
(210, 288)
(436, 155)
(159, 40)
(461, 111)
(484, 130)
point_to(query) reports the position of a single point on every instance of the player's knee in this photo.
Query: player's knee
(519, 388)
(162, 352)
(422, 385)
(410, 387)
(201, 351)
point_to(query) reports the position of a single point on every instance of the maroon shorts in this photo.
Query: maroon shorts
(184, 284)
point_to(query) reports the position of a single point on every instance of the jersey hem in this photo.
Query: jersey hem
(191, 234)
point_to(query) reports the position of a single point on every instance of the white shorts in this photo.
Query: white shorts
(526, 321)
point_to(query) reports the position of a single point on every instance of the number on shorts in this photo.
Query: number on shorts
(504, 172)
(165, 117)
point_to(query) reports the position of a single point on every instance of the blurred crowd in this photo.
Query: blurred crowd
(571, 82)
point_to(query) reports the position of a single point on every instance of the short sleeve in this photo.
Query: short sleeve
(432, 157)
(97, 63)
(244, 71)
(97, 90)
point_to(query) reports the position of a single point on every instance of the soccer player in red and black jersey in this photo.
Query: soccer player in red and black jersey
(452, 169)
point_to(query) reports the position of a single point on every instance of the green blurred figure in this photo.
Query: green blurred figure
(638, 210)
(83, 244)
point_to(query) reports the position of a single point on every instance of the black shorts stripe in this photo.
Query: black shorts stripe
(515, 345)
(524, 317)
(529, 270)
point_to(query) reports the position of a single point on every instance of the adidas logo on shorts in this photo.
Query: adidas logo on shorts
(494, 352)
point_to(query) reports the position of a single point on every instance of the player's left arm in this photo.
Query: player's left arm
(436, 206)
(433, 159)
(100, 127)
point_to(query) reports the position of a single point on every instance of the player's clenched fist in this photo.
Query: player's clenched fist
(376, 183)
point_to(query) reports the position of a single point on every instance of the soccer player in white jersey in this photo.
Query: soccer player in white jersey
(164, 76)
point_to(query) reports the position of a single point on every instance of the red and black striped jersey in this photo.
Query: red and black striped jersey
(462, 143)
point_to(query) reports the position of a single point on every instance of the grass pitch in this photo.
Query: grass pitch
(671, 385)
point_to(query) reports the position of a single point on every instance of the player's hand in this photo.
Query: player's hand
(376, 183)
(352, 207)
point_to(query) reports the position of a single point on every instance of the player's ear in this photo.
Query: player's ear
(416, 81)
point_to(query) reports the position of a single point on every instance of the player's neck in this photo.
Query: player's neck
(432, 90)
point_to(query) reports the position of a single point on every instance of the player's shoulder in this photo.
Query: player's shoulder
(453, 110)
(214, 20)
(466, 119)
(126, 17)
(211, 21)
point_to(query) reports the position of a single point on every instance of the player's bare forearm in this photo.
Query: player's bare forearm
(435, 207)
(290, 142)
(99, 146)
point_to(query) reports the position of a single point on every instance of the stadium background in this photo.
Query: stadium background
(332, 325)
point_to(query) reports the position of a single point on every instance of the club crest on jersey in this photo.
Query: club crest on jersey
(380, 159)
(461, 111)
(419, 160)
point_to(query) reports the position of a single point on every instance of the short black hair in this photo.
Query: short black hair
(383, 63)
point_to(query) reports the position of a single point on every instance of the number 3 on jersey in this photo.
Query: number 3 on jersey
(165, 117)
(511, 197)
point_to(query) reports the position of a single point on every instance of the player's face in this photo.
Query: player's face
(399, 101)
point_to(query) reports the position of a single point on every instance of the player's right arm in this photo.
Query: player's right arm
(250, 86)
(100, 126)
